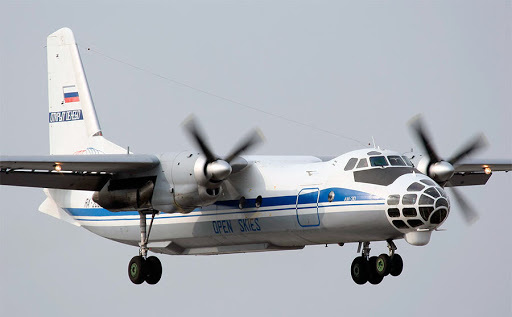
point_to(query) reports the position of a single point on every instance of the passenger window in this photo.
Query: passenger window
(407, 161)
(351, 164)
(362, 163)
(396, 161)
(378, 161)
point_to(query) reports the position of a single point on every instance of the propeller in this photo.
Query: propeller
(469, 213)
(441, 170)
(217, 169)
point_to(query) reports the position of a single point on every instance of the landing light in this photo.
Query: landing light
(487, 170)
(58, 168)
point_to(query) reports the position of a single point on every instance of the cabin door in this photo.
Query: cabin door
(307, 207)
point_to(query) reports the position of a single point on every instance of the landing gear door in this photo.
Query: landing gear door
(307, 207)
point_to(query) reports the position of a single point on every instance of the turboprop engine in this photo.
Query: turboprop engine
(126, 194)
(198, 178)
(440, 170)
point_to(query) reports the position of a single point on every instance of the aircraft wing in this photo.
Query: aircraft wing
(472, 171)
(79, 172)
(478, 165)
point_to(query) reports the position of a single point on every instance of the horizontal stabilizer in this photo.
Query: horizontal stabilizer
(50, 207)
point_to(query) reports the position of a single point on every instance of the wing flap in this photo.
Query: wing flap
(468, 179)
(474, 171)
(92, 182)
(77, 172)
(107, 163)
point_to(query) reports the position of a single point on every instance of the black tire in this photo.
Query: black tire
(136, 270)
(373, 276)
(397, 265)
(359, 270)
(383, 264)
(153, 270)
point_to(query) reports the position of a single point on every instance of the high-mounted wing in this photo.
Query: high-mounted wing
(79, 172)
(477, 171)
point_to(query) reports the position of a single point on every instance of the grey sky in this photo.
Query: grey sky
(358, 69)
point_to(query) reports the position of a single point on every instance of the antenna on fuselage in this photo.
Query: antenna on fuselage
(374, 144)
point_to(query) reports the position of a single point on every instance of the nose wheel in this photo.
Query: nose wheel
(143, 268)
(373, 269)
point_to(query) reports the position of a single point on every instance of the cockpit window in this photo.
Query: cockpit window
(415, 187)
(428, 182)
(407, 161)
(409, 199)
(351, 164)
(396, 161)
(362, 163)
(378, 161)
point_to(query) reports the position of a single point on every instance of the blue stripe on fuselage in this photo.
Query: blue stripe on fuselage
(279, 202)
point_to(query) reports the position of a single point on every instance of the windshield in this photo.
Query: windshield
(407, 161)
(378, 161)
(396, 161)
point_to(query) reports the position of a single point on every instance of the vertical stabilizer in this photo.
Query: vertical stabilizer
(74, 126)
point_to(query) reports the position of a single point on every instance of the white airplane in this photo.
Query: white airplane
(202, 204)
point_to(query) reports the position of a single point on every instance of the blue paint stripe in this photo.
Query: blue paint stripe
(343, 197)
(71, 94)
(83, 210)
(340, 194)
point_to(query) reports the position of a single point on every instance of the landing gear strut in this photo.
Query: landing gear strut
(143, 268)
(373, 269)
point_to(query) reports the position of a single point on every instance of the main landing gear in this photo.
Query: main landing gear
(373, 269)
(143, 268)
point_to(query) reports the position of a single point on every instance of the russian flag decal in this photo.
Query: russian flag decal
(70, 94)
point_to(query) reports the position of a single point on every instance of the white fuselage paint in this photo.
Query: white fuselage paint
(295, 209)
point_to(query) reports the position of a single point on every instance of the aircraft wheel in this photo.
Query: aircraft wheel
(359, 270)
(136, 269)
(397, 265)
(153, 270)
(373, 274)
(383, 264)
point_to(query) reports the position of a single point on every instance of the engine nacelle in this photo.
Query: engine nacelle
(193, 186)
(126, 194)
(423, 165)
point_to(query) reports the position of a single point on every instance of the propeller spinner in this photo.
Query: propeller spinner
(441, 170)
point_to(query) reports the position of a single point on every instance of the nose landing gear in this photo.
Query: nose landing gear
(373, 269)
(143, 268)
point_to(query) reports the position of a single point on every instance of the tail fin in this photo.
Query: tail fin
(74, 126)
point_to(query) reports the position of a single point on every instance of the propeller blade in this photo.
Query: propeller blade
(476, 144)
(193, 129)
(416, 124)
(253, 138)
(469, 213)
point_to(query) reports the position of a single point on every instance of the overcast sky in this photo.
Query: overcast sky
(357, 69)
